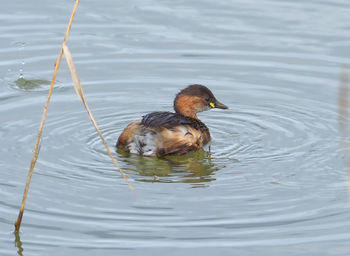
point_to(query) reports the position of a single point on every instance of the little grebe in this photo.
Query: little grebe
(166, 133)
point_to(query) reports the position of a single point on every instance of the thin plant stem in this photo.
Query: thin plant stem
(79, 90)
(343, 116)
(38, 138)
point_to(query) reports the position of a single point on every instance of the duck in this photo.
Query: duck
(172, 133)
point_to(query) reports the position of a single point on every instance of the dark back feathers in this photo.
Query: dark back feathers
(170, 120)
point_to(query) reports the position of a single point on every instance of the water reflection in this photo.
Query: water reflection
(196, 167)
(18, 244)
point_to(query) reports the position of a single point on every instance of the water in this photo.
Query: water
(275, 181)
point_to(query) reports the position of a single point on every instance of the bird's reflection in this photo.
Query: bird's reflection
(196, 167)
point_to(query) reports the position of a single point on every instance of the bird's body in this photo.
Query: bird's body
(166, 133)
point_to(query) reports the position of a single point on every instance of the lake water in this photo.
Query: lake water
(276, 179)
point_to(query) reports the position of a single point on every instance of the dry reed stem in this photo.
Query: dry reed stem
(43, 118)
(79, 90)
(343, 112)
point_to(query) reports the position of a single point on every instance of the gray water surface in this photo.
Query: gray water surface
(275, 180)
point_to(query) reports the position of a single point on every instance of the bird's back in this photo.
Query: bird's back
(164, 133)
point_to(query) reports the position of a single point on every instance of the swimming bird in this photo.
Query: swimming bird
(168, 133)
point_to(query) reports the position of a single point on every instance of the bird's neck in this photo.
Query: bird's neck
(184, 105)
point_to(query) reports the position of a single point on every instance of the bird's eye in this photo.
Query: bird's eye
(207, 99)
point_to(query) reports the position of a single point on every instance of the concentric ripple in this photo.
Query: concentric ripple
(272, 181)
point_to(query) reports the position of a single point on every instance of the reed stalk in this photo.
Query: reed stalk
(43, 118)
(79, 90)
(343, 115)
